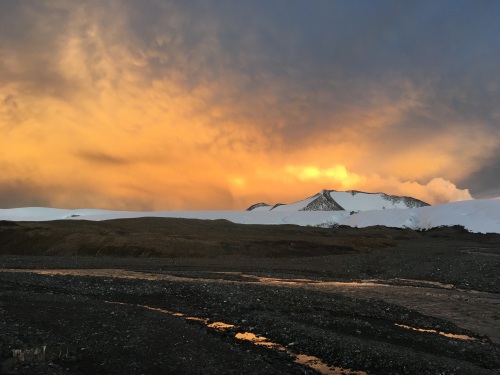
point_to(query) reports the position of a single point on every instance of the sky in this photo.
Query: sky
(196, 105)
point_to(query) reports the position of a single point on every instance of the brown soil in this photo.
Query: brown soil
(172, 238)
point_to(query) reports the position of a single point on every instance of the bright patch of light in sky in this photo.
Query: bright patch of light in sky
(157, 105)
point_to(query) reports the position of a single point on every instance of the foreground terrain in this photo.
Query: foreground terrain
(156, 296)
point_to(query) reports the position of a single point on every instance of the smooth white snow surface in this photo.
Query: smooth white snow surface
(242, 217)
(364, 202)
(475, 215)
(481, 216)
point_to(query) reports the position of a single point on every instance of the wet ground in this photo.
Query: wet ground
(428, 305)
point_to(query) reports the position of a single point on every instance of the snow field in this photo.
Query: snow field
(481, 216)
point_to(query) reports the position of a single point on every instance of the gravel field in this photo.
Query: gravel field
(427, 304)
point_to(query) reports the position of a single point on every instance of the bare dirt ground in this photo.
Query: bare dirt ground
(160, 296)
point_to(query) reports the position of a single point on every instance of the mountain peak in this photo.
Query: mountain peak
(350, 200)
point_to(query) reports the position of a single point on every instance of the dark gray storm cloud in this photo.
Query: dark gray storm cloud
(341, 50)
(321, 58)
(484, 183)
(24, 193)
(409, 82)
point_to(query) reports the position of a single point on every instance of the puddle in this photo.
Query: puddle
(303, 359)
(425, 296)
(173, 313)
(323, 368)
(427, 282)
(103, 272)
(259, 340)
(302, 281)
(126, 274)
(449, 335)
(264, 279)
(220, 326)
(361, 283)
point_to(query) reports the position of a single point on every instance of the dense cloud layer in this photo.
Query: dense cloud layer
(201, 104)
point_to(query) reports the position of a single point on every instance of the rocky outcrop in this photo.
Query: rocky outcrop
(324, 202)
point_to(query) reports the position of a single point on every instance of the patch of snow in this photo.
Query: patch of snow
(481, 216)
(332, 200)
(359, 201)
(475, 215)
(297, 206)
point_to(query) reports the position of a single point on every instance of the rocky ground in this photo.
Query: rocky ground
(423, 303)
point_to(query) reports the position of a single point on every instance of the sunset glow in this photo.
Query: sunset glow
(218, 105)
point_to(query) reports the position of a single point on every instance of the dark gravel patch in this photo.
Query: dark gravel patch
(213, 270)
(123, 338)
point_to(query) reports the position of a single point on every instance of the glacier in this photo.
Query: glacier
(480, 216)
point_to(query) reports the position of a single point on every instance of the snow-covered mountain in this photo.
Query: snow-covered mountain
(475, 215)
(352, 201)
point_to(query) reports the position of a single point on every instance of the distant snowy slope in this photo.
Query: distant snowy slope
(352, 200)
(45, 214)
(359, 201)
(475, 215)
(297, 206)
(242, 217)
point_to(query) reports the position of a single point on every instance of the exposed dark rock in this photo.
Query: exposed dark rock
(256, 205)
(277, 205)
(323, 202)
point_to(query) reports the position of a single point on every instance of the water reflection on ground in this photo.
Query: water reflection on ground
(303, 359)
(445, 334)
(473, 310)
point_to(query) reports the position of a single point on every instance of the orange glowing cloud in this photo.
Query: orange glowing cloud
(129, 123)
